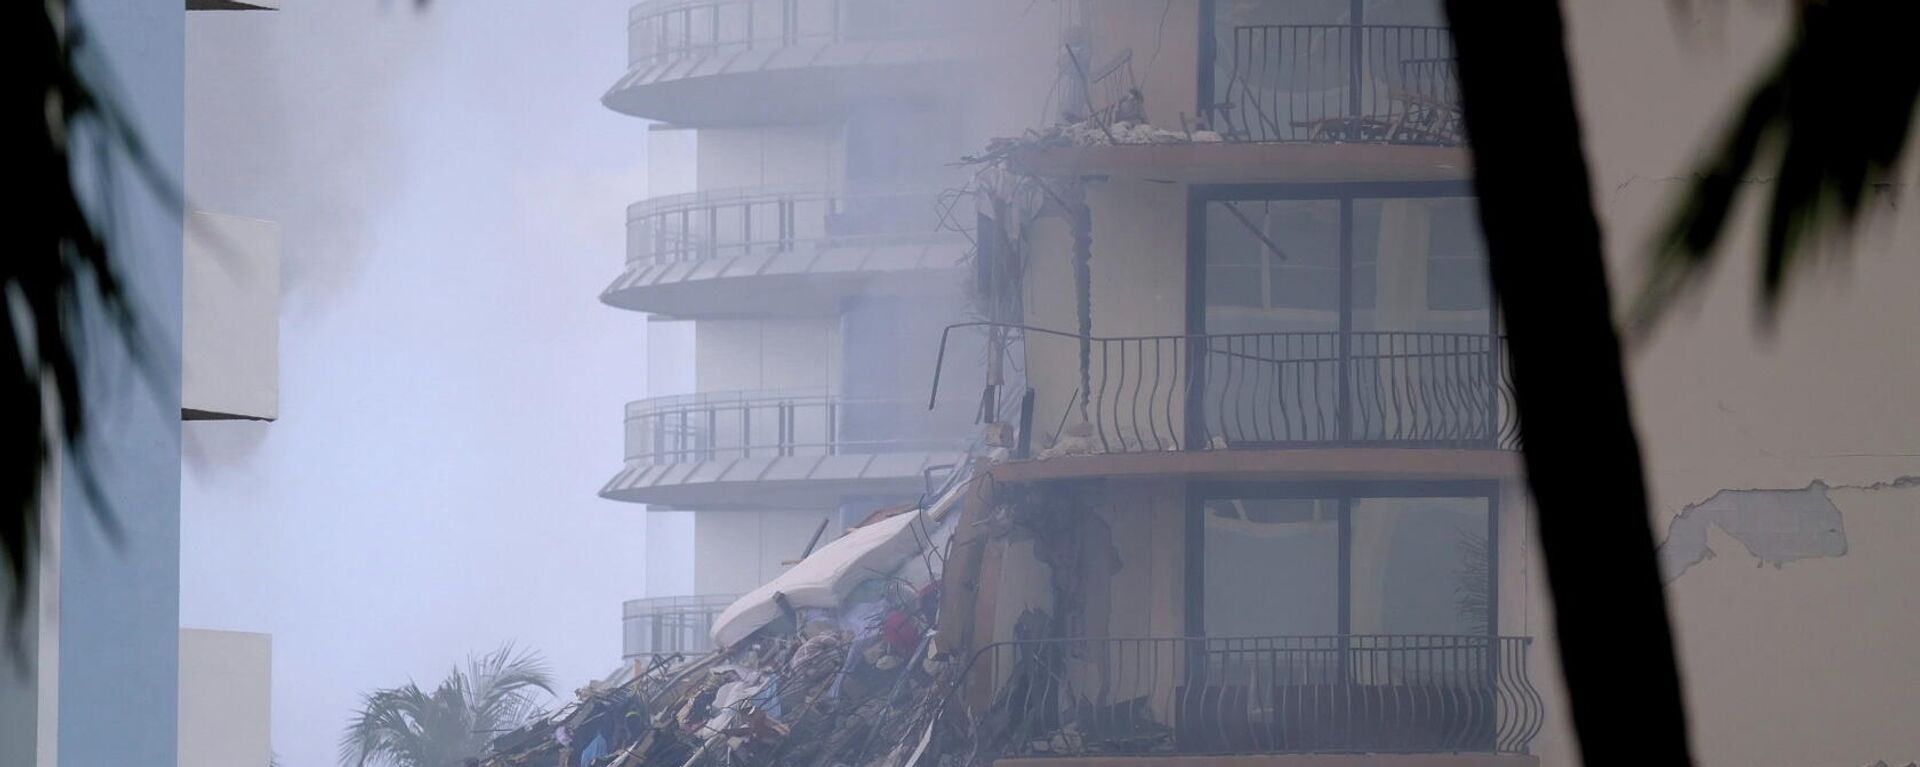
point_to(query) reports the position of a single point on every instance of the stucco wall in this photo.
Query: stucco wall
(230, 361)
(1163, 38)
(226, 697)
(1790, 598)
(1137, 278)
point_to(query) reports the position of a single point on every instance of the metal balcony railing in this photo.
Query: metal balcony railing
(664, 31)
(755, 424)
(1272, 390)
(1262, 695)
(671, 625)
(1333, 82)
(714, 224)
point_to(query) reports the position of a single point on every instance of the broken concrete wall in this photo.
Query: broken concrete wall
(1775, 527)
(1138, 288)
(1810, 662)
(1796, 627)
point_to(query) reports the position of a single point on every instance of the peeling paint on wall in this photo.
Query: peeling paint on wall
(1776, 527)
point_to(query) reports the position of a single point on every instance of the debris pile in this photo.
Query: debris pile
(834, 663)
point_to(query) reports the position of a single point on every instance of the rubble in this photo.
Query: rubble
(837, 663)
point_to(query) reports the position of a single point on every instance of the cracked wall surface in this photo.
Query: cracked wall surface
(1775, 526)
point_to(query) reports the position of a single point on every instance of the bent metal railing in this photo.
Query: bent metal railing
(1277, 694)
(760, 424)
(1339, 82)
(1269, 390)
(664, 31)
(671, 625)
(729, 223)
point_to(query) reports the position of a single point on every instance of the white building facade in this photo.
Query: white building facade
(810, 254)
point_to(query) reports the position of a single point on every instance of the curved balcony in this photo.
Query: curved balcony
(1305, 103)
(765, 252)
(671, 625)
(782, 450)
(746, 62)
(1398, 699)
(1339, 83)
(1417, 405)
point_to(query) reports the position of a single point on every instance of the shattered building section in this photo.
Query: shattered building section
(835, 662)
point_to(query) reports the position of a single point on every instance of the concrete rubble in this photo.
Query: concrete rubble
(842, 668)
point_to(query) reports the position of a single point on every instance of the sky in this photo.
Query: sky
(451, 195)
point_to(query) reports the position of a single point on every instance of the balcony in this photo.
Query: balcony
(763, 252)
(1159, 698)
(782, 450)
(671, 625)
(1336, 83)
(747, 62)
(1306, 103)
(1437, 404)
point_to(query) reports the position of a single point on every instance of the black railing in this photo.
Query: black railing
(1333, 82)
(665, 31)
(1202, 696)
(733, 425)
(671, 625)
(1269, 390)
(714, 224)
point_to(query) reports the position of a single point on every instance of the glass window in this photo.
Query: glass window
(1270, 567)
(1419, 265)
(1273, 266)
(1415, 565)
(1419, 566)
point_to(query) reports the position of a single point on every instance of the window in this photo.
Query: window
(1290, 559)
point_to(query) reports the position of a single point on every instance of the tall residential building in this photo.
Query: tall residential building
(1285, 515)
(1265, 498)
(815, 252)
(1261, 496)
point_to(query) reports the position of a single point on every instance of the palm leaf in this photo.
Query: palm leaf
(1823, 127)
(501, 683)
(406, 726)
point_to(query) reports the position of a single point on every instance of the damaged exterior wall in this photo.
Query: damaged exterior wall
(1752, 439)
(1777, 448)
(1138, 281)
(1795, 638)
(1775, 526)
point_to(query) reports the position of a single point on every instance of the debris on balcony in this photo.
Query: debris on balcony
(1092, 133)
(1123, 123)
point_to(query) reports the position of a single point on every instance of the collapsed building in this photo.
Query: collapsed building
(1220, 466)
(1249, 501)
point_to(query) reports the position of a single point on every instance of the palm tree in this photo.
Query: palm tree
(1831, 118)
(406, 726)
